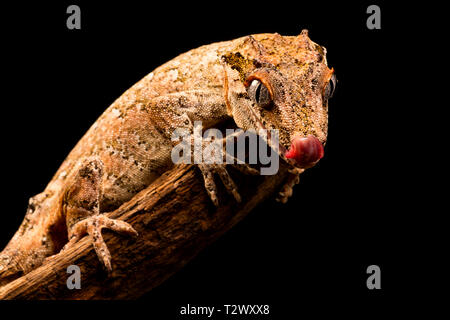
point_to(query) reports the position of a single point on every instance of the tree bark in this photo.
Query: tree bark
(175, 220)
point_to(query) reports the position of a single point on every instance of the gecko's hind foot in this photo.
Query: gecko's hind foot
(93, 226)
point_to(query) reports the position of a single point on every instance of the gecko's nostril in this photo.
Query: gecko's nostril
(306, 151)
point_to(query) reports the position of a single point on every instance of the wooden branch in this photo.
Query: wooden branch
(175, 220)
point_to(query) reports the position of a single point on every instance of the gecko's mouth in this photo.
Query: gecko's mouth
(305, 151)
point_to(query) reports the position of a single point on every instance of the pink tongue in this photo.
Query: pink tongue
(305, 151)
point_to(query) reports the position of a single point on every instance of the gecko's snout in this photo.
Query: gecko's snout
(306, 151)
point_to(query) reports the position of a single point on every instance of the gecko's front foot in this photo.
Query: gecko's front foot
(93, 226)
(287, 189)
(208, 171)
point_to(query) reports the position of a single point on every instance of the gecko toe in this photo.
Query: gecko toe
(93, 226)
(208, 172)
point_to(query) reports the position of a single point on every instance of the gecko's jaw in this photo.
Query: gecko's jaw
(306, 151)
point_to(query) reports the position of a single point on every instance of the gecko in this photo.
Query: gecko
(261, 81)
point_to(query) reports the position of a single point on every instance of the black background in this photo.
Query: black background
(354, 209)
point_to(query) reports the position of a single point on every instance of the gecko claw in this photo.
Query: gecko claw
(208, 172)
(287, 189)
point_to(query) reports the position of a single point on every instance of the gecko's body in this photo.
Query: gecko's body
(130, 145)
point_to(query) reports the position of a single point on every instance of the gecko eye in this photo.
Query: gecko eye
(259, 94)
(331, 86)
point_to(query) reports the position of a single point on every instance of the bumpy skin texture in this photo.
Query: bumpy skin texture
(129, 146)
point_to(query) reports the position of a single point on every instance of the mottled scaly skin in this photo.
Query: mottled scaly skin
(129, 146)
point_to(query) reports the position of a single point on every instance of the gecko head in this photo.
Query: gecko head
(284, 83)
